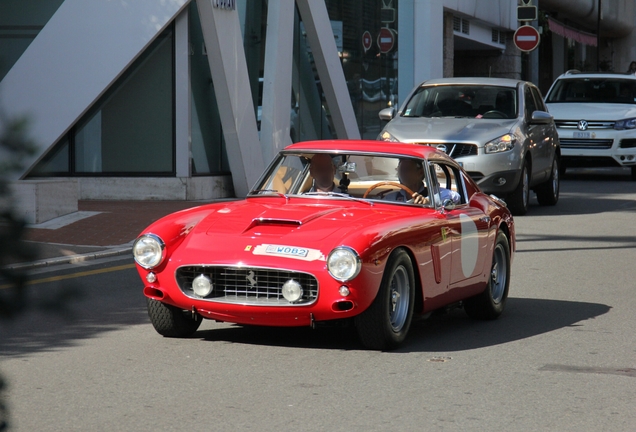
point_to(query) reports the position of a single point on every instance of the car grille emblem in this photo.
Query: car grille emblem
(251, 279)
(582, 125)
(441, 147)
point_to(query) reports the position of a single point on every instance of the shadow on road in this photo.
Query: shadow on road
(590, 191)
(449, 332)
(103, 305)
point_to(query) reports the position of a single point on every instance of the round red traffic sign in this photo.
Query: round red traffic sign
(386, 39)
(366, 40)
(526, 38)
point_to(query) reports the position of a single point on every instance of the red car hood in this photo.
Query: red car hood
(234, 228)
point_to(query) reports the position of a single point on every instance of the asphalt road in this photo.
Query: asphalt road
(561, 358)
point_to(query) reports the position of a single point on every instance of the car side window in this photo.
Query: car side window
(538, 99)
(449, 183)
(531, 106)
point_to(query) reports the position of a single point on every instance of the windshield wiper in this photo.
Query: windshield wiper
(269, 191)
(339, 195)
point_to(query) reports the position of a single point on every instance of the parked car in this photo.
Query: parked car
(595, 115)
(499, 130)
(288, 255)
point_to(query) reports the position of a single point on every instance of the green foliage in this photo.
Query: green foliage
(14, 148)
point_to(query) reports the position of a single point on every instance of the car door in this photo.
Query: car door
(538, 138)
(468, 226)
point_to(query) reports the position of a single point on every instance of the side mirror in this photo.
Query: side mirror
(448, 204)
(541, 117)
(387, 114)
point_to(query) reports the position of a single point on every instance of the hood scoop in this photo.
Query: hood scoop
(289, 222)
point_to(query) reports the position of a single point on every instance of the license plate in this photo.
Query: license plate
(582, 134)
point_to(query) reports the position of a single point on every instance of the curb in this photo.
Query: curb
(72, 258)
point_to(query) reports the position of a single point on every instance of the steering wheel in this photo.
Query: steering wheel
(388, 183)
(495, 114)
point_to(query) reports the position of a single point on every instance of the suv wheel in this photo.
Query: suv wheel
(548, 192)
(519, 198)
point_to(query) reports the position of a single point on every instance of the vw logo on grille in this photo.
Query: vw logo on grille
(441, 147)
(582, 125)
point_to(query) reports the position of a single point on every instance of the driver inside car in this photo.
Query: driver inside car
(411, 175)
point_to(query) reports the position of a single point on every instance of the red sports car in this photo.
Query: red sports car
(351, 231)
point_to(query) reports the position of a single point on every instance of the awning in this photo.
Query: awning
(571, 33)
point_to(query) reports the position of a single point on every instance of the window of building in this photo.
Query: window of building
(20, 23)
(130, 130)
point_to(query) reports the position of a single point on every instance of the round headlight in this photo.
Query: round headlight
(292, 291)
(343, 264)
(202, 285)
(148, 250)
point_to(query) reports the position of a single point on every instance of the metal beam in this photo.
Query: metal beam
(226, 57)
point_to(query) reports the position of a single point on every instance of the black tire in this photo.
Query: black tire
(170, 321)
(519, 199)
(491, 303)
(562, 168)
(548, 192)
(634, 173)
(385, 324)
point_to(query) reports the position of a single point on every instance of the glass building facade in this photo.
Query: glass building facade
(130, 130)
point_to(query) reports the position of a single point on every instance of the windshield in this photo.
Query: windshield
(344, 176)
(474, 101)
(597, 90)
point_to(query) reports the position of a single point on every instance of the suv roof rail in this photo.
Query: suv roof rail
(572, 71)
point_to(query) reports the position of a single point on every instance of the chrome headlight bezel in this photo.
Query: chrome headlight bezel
(343, 263)
(149, 251)
(501, 144)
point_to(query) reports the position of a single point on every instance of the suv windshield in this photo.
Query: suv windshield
(476, 101)
(597, 90)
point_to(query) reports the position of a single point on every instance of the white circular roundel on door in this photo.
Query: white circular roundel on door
(469, 244)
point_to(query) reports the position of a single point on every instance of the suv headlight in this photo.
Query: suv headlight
(629, 123)
(148, 251)
(386, 136)
(501, 144)
(343, 263)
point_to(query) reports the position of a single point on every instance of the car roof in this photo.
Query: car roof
(579, 75)
(504, 82)
(368, 146)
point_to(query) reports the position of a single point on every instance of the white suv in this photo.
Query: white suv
(595, 115)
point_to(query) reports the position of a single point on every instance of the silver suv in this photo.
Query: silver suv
(499, 130)
(595, 115)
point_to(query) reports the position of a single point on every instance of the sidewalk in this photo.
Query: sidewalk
(99, 229)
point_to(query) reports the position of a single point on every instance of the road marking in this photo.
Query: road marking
(74, 275)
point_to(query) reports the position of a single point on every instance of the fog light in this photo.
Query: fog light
(151, 277)
(202, 286)
(344, 291)
(292, 291)
(501, 181)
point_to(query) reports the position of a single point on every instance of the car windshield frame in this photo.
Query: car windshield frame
(480, 101)
(289, 176)
(593, 90)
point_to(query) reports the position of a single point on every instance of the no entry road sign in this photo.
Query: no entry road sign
(385, 40)
(526, 38)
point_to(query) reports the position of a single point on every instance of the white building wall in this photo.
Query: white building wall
(83, 49)
(421, 42)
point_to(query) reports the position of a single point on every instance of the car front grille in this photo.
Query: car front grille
(245, 285)
(591, 124)
(454, 150)
(593, 144)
